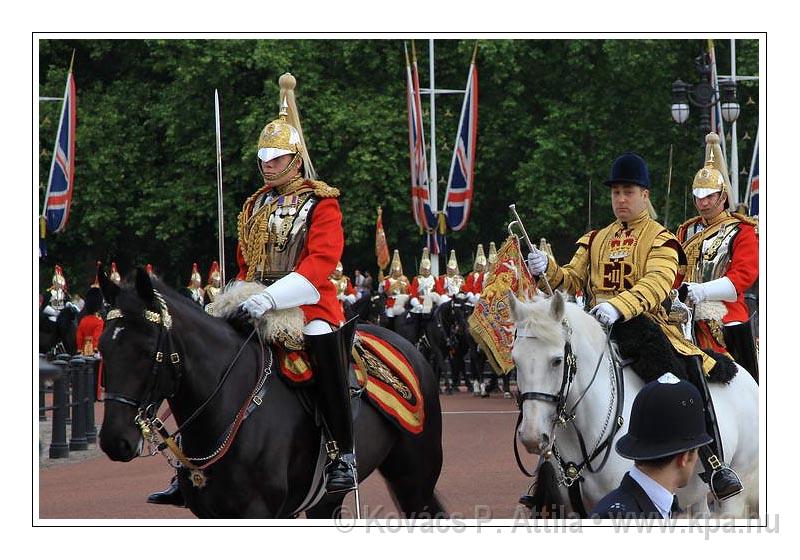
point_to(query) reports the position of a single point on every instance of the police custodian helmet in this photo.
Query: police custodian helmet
(666, 418)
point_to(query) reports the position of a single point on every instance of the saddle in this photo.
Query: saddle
(642, 343)
(378, 369)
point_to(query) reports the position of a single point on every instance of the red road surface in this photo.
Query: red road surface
(479, 477)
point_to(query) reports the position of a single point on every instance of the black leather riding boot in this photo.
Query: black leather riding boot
(723, 480)
(170, 496)
(329, 355)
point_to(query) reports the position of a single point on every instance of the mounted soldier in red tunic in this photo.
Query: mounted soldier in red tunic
(722, 264)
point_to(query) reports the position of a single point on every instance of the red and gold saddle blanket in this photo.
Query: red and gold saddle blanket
(391, 383)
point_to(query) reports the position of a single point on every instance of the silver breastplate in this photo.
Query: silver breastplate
(715, 255)
(288, 227)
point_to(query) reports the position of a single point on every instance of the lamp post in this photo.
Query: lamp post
(704, 96)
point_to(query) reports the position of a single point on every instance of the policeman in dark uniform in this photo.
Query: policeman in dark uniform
(667, 427)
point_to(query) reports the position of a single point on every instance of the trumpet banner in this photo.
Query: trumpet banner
(490, 324)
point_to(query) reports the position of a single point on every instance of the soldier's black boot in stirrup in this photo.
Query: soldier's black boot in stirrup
(170, 496)
(329, 355)
(722, 479)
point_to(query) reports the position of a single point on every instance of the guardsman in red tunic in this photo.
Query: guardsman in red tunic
(214, 286)
(422, 293)
(345, 292)
(473, 286)
(193, 291)
(90, 326)
(451, 282)
(722, 264)
(396, 288)
(57, 296)
(290, 239)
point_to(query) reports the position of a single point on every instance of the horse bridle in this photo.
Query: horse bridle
(570, 470)
(559, 399)
(148, 405)
(152, 427)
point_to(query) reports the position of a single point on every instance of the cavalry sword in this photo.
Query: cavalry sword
(220, 211)
(531, 247)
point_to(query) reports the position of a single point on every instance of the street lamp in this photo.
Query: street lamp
(705, 96)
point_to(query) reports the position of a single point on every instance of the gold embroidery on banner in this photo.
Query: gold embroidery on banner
(378, 369)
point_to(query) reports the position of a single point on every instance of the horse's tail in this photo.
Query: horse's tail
(547, 500)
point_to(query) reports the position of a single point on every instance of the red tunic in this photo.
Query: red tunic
(474, 282)
(90, 327)
(321, 253)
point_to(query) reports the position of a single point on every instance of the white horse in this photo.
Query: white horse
(538, 353)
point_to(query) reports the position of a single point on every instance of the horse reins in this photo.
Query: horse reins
(571, 471)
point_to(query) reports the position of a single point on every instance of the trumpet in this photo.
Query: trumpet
(531, 246)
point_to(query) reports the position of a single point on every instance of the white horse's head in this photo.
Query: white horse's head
(538, 354)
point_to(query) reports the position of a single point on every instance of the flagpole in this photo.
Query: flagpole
(734, 167)
(55, 146)
(220, 210)
(434, 194)
(669, 188)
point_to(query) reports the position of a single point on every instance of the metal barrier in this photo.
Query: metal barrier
(74, 389)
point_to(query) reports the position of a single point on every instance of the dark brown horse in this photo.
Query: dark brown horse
(269, 468)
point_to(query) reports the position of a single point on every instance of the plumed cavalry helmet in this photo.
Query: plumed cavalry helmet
(338, 271)
(452, 263)
(629, 168)
(114, 276)
(284, 135)
(397, 267)
(667, 418)
(195, 277)
(59, 281)
(214, 276)
(425, 263)
(492, 253)
(480, 259)
(713, 177)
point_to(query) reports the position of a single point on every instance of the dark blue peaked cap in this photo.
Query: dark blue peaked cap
(629, 168)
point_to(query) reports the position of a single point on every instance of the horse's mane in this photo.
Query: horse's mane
(535, 316)
(132, 306)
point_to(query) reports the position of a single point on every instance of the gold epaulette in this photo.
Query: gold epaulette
(323, 190)
(745, 219)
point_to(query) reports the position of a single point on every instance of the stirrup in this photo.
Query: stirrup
(725, 483)
(341, 474)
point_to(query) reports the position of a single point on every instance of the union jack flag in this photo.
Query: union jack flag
(458, 198)
(62, 169)
(420, 193)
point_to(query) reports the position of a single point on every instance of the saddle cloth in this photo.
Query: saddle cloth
(389, 380)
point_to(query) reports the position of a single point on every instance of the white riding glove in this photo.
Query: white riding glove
(606, 313)
(417, 308)
(258, 304)
(537, 262)
(721, 289)
(350, 298)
